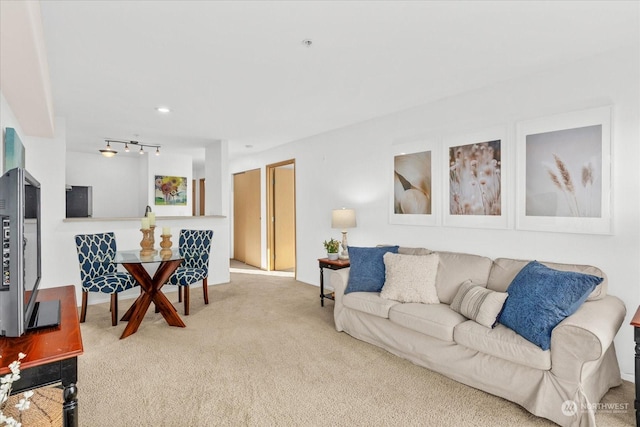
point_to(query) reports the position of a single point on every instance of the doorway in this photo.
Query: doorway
(281, 211)
(246, 218)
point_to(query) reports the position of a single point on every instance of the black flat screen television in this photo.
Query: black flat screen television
(21, 257)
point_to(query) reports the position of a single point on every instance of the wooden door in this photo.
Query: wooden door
(284, 226)
(240, 183)
(193, 197)
(246, 217)
(202, 196)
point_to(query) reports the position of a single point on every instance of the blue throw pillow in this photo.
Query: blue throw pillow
(541, 297)
(367, 268)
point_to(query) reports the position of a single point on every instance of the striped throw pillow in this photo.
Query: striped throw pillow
(479, 304)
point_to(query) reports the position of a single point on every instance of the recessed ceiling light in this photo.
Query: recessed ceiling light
(164, 110)
(248, 146)
(307, 42)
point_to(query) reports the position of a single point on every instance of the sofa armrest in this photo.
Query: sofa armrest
(338, 281)
(585, 336)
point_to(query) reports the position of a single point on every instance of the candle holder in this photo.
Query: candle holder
(165, 244)
(146, 243)
(153, 237)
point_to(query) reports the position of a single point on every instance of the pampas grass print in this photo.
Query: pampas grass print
(561, 179)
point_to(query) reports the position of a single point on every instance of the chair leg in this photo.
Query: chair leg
(205, 290)
(186, 300)
(83, 310)
(179, 293)
(114, 309)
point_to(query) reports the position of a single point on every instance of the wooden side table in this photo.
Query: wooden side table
(52, 353)
(332, 265)
(635, 322)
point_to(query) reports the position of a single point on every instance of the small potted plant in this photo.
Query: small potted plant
(332, 246)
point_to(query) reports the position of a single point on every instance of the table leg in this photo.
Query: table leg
(321, 286)
(70, 406)
(131, 309)
(69, 377)
(142, 305)
(151, 293)
(636, 335)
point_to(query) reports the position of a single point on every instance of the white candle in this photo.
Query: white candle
(166, 231)
(152, 218)
(145, 223)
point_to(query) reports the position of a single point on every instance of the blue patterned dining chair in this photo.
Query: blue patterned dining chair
(195, 246)
(98, 272)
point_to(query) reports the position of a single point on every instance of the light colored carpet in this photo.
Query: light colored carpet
(263, 352)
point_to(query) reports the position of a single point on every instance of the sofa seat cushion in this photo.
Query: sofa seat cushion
(435, 320)
(369, 302)
(503, 343)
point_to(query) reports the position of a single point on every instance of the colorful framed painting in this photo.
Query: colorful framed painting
(474, 179)
(171, 190)
(413, 191)
(14, 154)
(564, 172)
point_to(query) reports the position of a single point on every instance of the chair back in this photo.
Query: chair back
(96, 253)
(195, 246)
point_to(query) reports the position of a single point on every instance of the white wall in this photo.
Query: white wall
(114, 182)
(124, 185)
(352, 167)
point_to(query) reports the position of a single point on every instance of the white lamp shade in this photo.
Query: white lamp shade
(343, 218)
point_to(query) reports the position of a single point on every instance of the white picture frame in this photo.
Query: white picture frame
(564, 172)
(475, 178)
(414, 178)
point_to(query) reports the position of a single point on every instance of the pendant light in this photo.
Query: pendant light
(108, 152)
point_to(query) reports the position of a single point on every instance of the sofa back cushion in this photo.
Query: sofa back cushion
(456, 268)
(414, 251)
(504, 270)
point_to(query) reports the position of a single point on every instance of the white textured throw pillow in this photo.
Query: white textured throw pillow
(410, 278)
(477, 303)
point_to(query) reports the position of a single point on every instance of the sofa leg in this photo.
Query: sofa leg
(83, 310)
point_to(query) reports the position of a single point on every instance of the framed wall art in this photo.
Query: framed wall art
(14, 153)
(170, 190)
(414, 193)
(564, 172)
(474, 179)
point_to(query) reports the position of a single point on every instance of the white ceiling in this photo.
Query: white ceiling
(238, 70)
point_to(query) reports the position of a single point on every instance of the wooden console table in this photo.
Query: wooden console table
(635, 322)
(52, 353)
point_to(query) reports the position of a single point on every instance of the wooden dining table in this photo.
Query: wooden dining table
(134, 262)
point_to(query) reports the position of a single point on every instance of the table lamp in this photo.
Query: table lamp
(343, 219)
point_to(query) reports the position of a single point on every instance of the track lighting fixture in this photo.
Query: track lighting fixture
(109, 152)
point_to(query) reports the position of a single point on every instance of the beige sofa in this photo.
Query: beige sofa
(561, 384)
